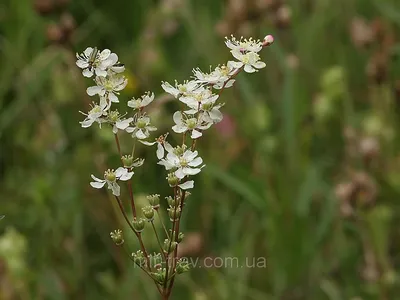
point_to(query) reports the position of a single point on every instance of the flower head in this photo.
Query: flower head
(117, 121)
(219, 77)
(142, 128)
(109, 86)
(141, 102)
(111, 177)
(95, 114)
(180, 89)
(250, 61)
(184, 123)
(182, 164)
(243, 45)
(93, 61)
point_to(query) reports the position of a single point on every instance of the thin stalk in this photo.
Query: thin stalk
(162, 223)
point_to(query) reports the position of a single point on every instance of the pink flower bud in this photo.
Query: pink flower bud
(268, 40)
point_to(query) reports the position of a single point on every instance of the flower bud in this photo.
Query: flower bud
(180, 237)
(174, 213)
(159, 276)
(268, 40)
(154, 200)
(148, 212)
(138, 224)
(168, 245)
(117, 237)
(171, 201)
(127, 160)
(139, 258)
(172, 180)
(182, 266)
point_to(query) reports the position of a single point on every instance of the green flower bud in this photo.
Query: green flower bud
(154, 200)
(109, 175)
(117, 237)
(138, 224)
(127, 160)
(169, 246)
(180, 237)
(174, 213)
(159, 276)
(171, 201)
(139, 258)
(148, 212)
(172, 180)
(182, 266)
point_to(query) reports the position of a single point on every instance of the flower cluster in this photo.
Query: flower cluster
(200, 110)
(109, 82)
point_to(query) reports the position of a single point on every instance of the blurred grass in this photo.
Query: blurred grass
(270, 188)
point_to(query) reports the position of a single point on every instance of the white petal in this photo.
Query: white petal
(115, 188)
(216, 115)
(100, 72)
(97, 179)
(97, 185)
(105, 54)
(178, 118)
(195, 134)
(82, 64)
(191, 171)
(140, 134)
(187, 185)
(179, 173)
(195, 162)
(93, 90)
(87, 73)
(160, 151)
(88, 51)
(120, 171)
(168, 147)
(126, 176)
(236, 64)
(148, 143)
(259, 65)
(249, 69)
(179, 128)
(113, 97)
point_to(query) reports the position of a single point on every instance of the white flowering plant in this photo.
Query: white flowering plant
(200, 111)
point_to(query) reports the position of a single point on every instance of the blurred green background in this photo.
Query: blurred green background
(303, 171)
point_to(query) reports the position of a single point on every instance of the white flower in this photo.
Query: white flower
(142, 128)
(108, 86)
(186, 164)
(218, 77)
(93, 61)
(250, 61)
(161, 144)
(209, 112)
(243, 45)
(199, 97)
(141, 102)
(180, 89)
(115, 119)
(111, 177)
(185, 123)
(95, 115)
